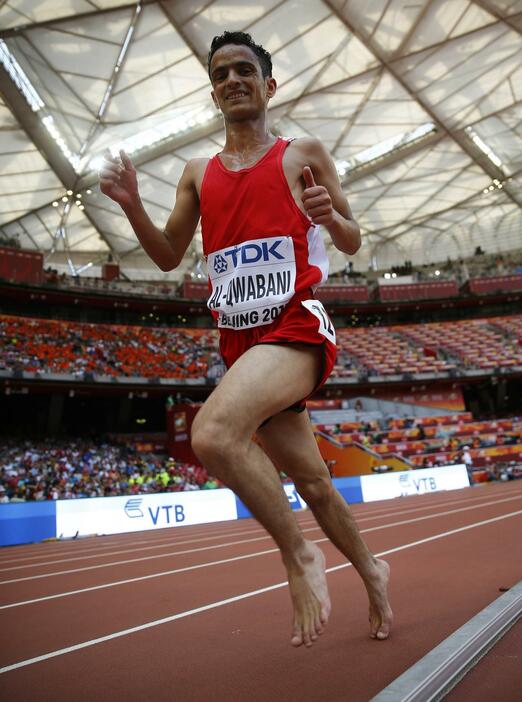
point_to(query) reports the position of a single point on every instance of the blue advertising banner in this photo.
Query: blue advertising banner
(26, 522)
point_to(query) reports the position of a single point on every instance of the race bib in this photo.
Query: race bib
(326, 328)
(252, 281)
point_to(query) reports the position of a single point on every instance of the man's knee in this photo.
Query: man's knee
(316, 491)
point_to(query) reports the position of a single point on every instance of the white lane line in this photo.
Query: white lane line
(242, 541)
(236, 598)
(219, 562)
(99, 548)
(117, 553)
(175, 542)
(155, 538)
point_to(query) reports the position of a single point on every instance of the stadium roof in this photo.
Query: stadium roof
(419, 102)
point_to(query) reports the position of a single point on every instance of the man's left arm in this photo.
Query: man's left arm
(324, 200)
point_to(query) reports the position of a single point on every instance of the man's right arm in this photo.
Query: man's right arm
(166, 248)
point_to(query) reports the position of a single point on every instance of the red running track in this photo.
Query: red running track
(202, 613)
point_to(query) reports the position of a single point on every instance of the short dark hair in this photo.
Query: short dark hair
(242, 39)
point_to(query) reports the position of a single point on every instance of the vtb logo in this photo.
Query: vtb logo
(132, 507)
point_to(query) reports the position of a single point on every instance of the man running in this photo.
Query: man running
(262, 202)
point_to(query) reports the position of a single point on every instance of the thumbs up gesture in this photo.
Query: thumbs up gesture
(316, 200)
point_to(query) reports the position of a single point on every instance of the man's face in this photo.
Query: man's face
(239, 89)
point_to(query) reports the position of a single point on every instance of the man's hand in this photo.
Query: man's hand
(118, 179)
(316, 200)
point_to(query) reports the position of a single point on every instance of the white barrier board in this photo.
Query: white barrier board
(115, 515)
(413, 482)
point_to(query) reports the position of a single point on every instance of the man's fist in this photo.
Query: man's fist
(316, 200)
(118, 179)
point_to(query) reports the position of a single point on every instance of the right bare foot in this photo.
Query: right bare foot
(381, 616)
(310, 597)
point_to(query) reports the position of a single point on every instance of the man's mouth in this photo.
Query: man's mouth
(237, 94)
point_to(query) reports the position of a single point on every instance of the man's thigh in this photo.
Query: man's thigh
(265, 380)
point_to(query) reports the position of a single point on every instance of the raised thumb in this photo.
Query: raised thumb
(308, 177)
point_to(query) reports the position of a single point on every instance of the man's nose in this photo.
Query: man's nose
(232, 77)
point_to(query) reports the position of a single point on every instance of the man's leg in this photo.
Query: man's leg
(261, 383)
(289, 441)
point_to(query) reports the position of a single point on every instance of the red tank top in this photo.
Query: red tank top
(261, 250)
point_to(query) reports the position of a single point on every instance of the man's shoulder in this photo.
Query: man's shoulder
(196, 165)
(194, 171)
(310, 147)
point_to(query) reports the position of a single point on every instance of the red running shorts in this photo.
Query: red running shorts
(303, 321)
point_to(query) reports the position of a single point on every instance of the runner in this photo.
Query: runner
(262, 202)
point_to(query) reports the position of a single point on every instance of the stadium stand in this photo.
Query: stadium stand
(55, 469)
(437, 440)
(53, 346)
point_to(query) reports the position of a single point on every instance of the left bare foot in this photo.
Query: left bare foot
(310, 598)
(381, 615)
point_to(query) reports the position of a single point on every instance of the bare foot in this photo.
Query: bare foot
(310, 597)
(381, 616)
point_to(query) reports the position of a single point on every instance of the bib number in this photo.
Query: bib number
(326, 328)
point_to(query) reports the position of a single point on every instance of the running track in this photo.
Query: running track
(202, 613)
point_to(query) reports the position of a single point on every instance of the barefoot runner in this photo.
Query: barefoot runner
(263, 202)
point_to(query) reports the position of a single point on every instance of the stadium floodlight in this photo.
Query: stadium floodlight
(73, 158)
(19, 78)
(83, 268)
(384, 148)
(472, 134)
(35, 102)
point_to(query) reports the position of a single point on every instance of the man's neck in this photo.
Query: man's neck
(247, 137)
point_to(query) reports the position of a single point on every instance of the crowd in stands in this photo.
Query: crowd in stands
(63, 347)
(57, 469)
(51, 346)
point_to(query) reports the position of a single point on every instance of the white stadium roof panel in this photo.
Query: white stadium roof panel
(503, 133)
(444, 20)
(26, 182)
(418, 103)
(458, 78)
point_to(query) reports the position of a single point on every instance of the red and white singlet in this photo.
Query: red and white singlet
(264, 258)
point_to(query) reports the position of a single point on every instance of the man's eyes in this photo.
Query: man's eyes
(243, 70)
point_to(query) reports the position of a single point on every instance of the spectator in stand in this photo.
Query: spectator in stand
(421, 434)
(466, 458)
(499, 266)
(463, 272)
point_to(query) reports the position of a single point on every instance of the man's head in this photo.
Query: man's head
(241, 39)
(241, 75)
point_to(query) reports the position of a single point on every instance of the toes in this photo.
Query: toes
(297, 636)
(319, 625)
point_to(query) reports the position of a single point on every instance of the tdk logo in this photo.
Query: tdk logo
(132, 507)
(220, 264)
(252, 253)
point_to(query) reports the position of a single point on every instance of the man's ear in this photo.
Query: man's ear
(214, 99)
(271, 87)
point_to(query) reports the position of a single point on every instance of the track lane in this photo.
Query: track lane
(85, 545)
(241, 651)
(28, 587)
(57, 621)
